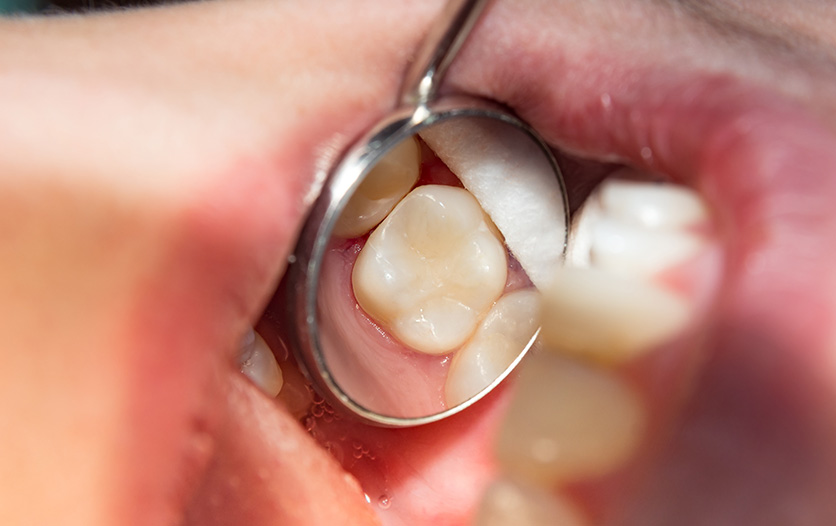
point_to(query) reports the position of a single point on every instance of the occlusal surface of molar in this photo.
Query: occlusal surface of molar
(432, 269)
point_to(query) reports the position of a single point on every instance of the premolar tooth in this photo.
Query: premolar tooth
(567, 422)
(501, 336)
(608, 317)
(431, 269)
(508, 502)
(258, 363)
(652, 205)
(386, 184)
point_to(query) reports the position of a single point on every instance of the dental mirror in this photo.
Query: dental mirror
(415, 278)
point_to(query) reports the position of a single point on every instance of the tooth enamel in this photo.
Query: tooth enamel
(608, 317)
(258, 363)
(625, 248)
(385, 185)
(431, 269)
(567, 422)
(505, 331)
(637, 228)
(652, 205)
(514, 183)
(508, 502)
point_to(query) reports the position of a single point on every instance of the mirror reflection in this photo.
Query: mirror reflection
(428, 291)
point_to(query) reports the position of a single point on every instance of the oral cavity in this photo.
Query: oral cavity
(435, 275)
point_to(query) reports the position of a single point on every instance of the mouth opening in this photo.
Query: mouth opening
(722, 144)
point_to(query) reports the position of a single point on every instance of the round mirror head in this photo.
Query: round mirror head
(431, 241)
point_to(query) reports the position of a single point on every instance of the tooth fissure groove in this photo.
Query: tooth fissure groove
(431, 269)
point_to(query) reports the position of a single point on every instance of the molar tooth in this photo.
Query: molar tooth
(431, 269)
(507, 502)
(608, 317)
(501, 336)
(567, 422)
(380, 191)
(258, 363)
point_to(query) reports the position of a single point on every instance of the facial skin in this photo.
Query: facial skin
(156, 164)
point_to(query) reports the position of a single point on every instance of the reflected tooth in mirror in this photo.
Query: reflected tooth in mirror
(386, 184)
(514, 183)
(507, 502)
(258, 363)
(568, 421)
(500, 338)
(652, 204)
(431, 269)
(607, 317)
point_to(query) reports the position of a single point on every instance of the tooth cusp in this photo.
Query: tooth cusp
(431, 269)
(653, 205)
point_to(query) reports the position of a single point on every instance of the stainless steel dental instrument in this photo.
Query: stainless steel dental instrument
(374, 386)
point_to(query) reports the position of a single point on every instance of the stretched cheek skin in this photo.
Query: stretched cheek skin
(184, 329)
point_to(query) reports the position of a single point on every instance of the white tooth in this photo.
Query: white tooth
(608, 317)
(511, 503)
(629, 249)
(258, 363)
(503, 334)
(637, 228)
(568, 421)
(652, 205)
(431, 269)
(513, 182)
(385, 185)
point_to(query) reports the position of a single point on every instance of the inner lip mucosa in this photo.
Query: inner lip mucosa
(379, 370)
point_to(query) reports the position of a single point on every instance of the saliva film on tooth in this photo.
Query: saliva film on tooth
(450, 245)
